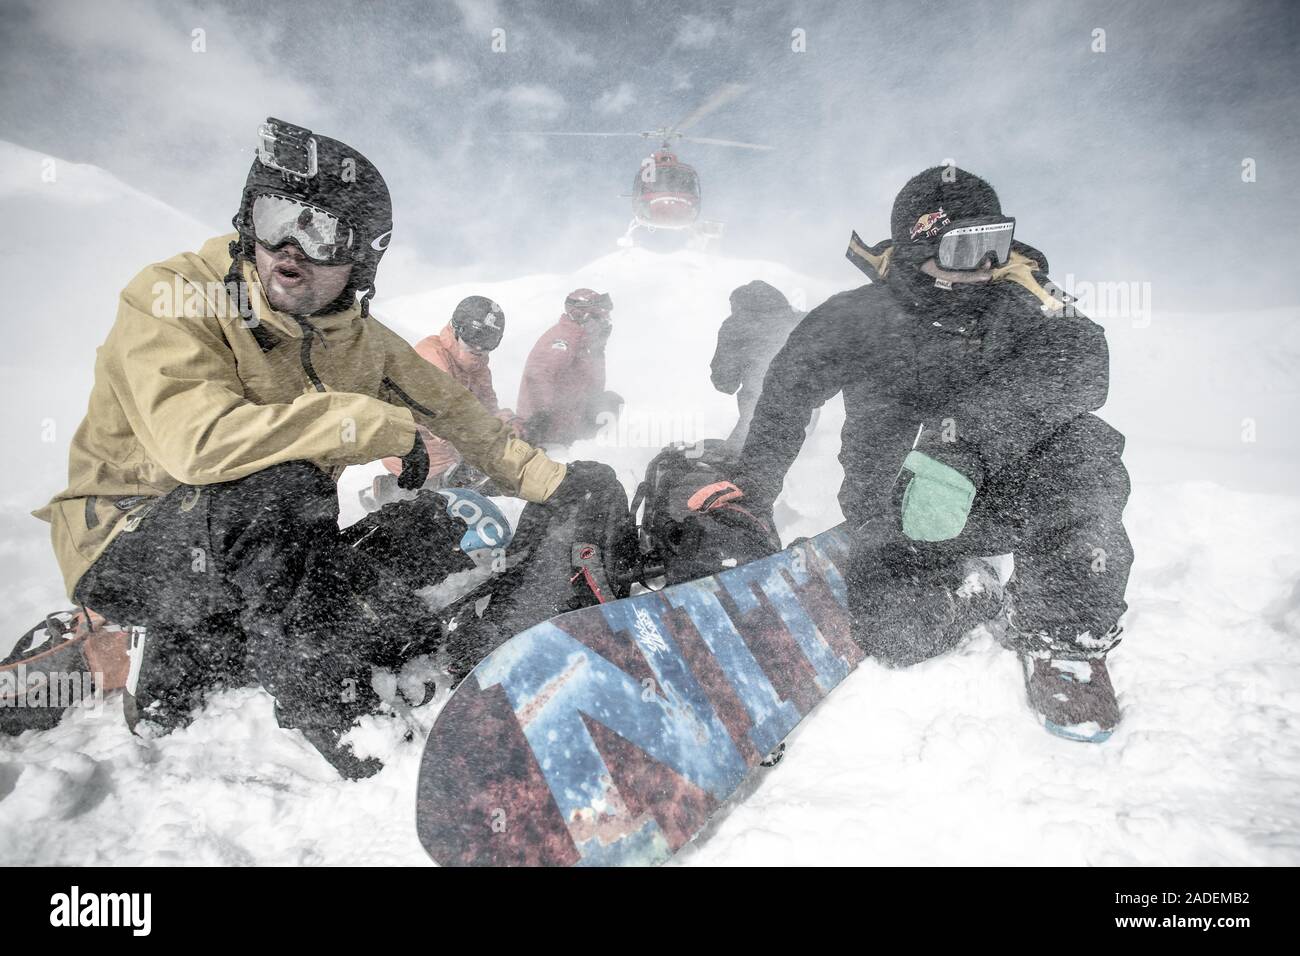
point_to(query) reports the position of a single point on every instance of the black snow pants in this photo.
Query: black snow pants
(252, 581)
(1059, 511)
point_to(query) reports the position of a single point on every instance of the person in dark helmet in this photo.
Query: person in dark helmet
(462, 350)
(562, 393)
(235, 384)
(760, 320)
(970, 384)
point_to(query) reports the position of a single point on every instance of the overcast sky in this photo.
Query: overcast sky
(1123, 165)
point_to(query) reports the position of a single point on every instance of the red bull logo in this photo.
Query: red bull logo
(926, 226)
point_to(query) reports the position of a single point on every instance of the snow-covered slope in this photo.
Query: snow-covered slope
(74, 235)
(939, 763)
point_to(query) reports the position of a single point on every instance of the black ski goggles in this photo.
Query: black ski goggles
(600, 303)
(482, 335)
(968, 243)
(323, 237)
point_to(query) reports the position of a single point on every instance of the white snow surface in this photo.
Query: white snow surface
(940, 763)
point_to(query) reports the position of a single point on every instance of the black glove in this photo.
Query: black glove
(537, 428)
(581, 477)
(415, 466)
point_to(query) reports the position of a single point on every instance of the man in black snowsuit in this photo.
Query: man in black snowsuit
(757, 327)
(969, 384)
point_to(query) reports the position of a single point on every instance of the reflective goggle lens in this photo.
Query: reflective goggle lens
(964, 247)
(322, 236)
(481, 338)
(601, 303)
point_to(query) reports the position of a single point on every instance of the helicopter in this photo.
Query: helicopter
(666, 191)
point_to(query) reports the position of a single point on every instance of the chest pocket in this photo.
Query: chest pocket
(265, 362)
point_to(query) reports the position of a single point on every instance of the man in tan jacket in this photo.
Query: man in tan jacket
(234, 386)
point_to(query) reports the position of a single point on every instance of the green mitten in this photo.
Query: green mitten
(937, 501)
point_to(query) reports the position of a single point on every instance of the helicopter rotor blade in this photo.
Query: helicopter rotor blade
(723, 142)
(535, 132)
(724, 95)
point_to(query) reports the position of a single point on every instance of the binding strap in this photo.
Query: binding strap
(589, 562)
(713, 496)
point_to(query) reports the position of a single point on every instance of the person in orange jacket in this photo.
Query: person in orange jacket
(461, 350)
(563, 388)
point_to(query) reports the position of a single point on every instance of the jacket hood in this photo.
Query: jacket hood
(758, 296)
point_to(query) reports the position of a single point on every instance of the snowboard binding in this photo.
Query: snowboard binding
(678, 543)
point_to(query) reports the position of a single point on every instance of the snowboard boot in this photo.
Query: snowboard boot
(1067, 682)
(903, 615)
(325, 738)
(1073, 699)
(171, 672)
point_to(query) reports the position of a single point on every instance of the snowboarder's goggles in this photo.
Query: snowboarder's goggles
(600, 303)
(481, 336)
(322, 236)
(968, 243)
(287, 148)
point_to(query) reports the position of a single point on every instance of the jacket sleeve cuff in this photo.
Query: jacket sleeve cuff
(397, 432)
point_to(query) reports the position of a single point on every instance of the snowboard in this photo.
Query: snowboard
(611, 734)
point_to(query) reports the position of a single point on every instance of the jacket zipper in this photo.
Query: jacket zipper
(304, 352)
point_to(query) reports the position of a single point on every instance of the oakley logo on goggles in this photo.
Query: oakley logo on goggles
(322, 236)
(968, 243)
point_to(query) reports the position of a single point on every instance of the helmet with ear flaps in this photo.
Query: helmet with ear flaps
(319, 171)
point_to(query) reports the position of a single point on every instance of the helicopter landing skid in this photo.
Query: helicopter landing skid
(699, 237)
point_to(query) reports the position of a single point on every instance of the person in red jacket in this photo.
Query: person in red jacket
(563, 388)
(461, 350)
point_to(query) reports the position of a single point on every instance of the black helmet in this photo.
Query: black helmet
(479, 322)
(298, 164)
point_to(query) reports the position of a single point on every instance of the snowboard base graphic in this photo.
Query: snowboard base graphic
(610, 735)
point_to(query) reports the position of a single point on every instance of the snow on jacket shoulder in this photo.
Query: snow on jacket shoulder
(185, 391)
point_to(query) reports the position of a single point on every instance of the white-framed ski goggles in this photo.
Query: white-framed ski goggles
(322, 236)
(287, 148)
(967, 244)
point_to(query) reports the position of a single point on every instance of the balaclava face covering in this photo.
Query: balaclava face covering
(928, 202)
